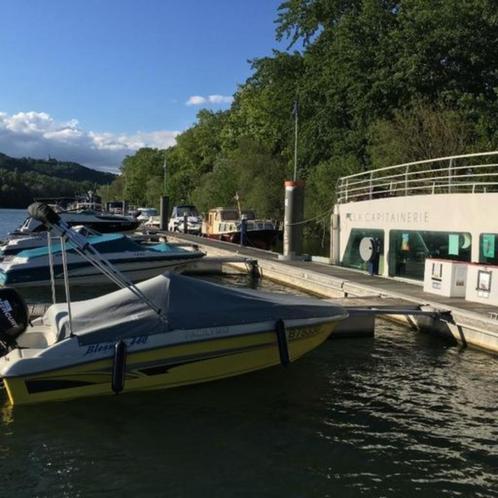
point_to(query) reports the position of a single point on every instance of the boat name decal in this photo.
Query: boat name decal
(108, 346)
(207, 332)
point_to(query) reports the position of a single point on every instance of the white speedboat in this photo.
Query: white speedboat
(185, 219)
(31, 267)
(150, 335)
(15, 244)
(145, 213)
(100, 222)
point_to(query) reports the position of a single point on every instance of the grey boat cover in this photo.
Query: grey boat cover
(188, 303)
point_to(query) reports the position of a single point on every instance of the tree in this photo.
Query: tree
(138, 169)
(420, 132)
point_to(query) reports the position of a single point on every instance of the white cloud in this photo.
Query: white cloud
(196, 100)
(210, 99)
(37, 134)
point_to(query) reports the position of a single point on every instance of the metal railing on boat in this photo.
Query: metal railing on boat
(467, 173)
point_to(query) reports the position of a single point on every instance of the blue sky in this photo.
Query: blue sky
(91, 80)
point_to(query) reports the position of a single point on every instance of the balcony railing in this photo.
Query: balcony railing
(469, 173)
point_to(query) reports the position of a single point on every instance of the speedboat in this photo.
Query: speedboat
(31, 267)
(145, 213)
(185, 219)
(15, 244)
(150, 336)
(100, 222)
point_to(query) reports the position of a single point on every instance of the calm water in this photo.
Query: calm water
(10, 219)
(403, 414)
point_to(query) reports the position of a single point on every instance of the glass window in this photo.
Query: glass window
(229, 214)
(352, 256)
(488, 248)
(408, 250)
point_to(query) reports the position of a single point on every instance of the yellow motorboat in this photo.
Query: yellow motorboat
(167, 331)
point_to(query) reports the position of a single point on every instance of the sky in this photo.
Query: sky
(94, 80)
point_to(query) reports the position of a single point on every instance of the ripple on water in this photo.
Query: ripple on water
(400, 415)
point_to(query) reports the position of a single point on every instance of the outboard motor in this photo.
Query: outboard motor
(14, 318)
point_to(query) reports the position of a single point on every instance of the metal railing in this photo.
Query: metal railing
(469, 173)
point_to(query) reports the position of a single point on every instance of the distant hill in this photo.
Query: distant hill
(23, 179)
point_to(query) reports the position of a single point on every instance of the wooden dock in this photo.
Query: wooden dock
(471, 324)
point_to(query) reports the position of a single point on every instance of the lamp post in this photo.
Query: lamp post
(164, 205)
(165, 170)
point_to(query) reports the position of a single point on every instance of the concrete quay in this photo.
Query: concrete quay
(469, 324)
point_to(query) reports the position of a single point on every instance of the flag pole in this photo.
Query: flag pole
(296, 119)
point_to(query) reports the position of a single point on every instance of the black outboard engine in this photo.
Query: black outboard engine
(14, 318)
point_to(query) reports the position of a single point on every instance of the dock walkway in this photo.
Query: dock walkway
(472, 324)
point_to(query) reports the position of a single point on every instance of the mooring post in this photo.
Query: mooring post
(293, 217)
(243, 230)
(185, 223)
(164, 206)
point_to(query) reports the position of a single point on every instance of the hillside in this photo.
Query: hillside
(23, 179)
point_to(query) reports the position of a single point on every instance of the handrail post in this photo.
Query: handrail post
(406, 180)
(346, 190)
(370, 186)
(450, 174)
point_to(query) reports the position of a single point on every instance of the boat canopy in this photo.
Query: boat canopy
(188, 303)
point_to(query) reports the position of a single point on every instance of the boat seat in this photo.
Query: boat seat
(20, 353)
(37, 337)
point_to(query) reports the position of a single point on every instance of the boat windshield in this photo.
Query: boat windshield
(186, 210)
(148, 211)
(229, 214)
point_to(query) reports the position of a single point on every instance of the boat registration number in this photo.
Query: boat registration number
(296, 334)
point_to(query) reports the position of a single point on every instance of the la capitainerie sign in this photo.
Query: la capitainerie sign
(407, 217)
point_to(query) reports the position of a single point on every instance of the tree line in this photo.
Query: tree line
(377, 83)
(22, 180)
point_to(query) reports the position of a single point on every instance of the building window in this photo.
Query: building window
(488, 248)
(408, 250)
(352, 257)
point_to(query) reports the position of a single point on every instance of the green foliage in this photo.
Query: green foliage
(138, 170)
(216, 188)
(114, 191)
(22, 180)
(420, 132)
(262, 109)
(58, 169)
(250, 171)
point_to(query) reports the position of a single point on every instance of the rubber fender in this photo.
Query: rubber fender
(283, 346)
(119, 367)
